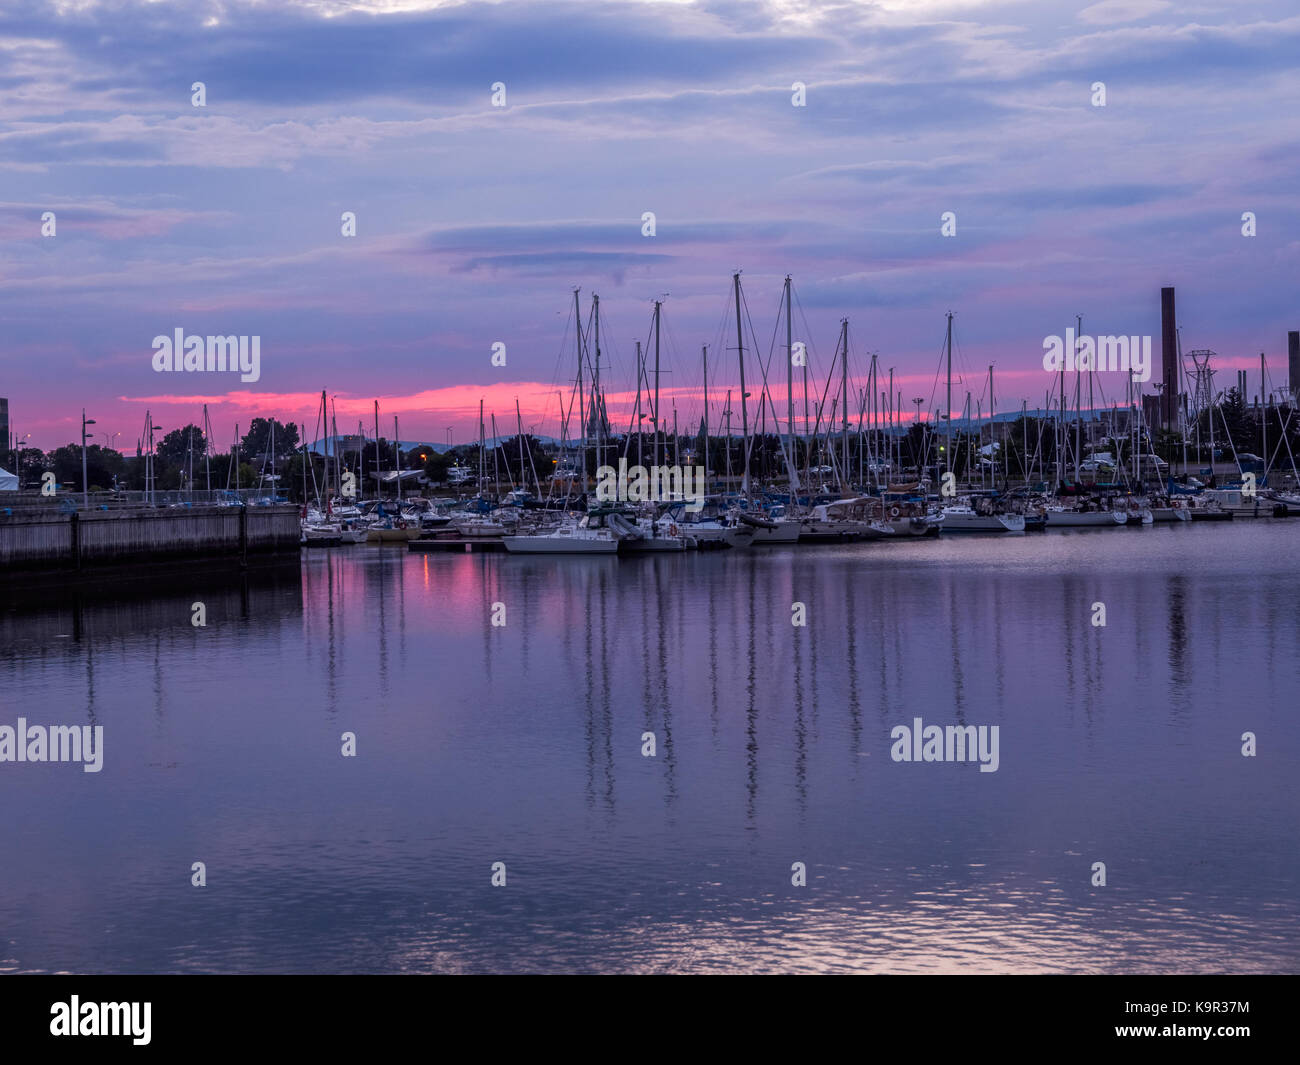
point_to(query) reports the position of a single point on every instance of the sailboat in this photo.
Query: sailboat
(960, 517)
(589, 536)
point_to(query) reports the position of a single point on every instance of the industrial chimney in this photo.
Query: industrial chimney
(1169, 401)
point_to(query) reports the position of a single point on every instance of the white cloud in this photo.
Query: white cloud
(1109, 12)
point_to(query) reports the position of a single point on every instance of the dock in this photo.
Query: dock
(466, 544)
(57, 537)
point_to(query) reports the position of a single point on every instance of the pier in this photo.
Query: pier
(45, 536)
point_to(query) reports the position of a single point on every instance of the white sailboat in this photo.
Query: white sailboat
(1073, 518)
(569, 538)
(961, 518)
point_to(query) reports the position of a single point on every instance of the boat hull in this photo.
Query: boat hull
(983, 523)
(1073, 519)
(559, 545)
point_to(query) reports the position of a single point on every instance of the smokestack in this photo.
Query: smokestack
(1293, 362)
(1169, 358)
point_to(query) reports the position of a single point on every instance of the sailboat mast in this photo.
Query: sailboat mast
(597, 401)
(640, 377)
(1263, 413)
(948, 450)
(844, 404)
(1078, 398)
(658, 304)
(582, 402)
(496, 459)
(993, 462)
(379, 493)
(705, 353)
(744, 404)
(789, 369)
(519, 432)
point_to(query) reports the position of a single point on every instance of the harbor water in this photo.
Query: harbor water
(525, 743)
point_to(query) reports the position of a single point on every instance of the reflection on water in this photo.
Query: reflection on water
(522, 744)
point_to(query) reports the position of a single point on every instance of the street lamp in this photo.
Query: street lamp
(19, 447)
(85, 488)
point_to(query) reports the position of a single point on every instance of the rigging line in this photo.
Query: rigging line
(766, 392)
(809, 345)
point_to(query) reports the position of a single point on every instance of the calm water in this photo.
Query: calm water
(522, 744)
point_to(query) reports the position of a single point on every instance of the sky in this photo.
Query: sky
(474, 222)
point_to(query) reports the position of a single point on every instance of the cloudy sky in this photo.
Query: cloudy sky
(475, 222)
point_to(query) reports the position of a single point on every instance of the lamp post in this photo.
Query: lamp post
(20, 445)
(85, 488)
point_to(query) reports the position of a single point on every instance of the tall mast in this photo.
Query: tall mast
(378, 468)
(889, 414)
(640, 377)
(658, 304)
(597, 401)
(519, 432)
(705, 352)
(582, 402)
(397, 446)
(948, 451)
(789, 368)
(727, 412)
(844, 403)
(992, 460)
(481, 445)
(744, 404)
(325, 427)
(496, 455)
(1263, 412)
(1078, 396)
(334, 431)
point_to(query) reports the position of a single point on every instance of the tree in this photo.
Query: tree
(102, 465)
(176, 447)
(258, 438)
(436, 466)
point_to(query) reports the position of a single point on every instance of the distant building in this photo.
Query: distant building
(1152, 412)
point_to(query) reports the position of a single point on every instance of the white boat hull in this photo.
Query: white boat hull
(784, 532)
(994, 523)
(560, 545)
(1074, 519)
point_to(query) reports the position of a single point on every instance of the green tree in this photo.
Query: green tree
(258, 438)
(177, 446)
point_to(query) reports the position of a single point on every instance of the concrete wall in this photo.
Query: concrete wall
(46, 537)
